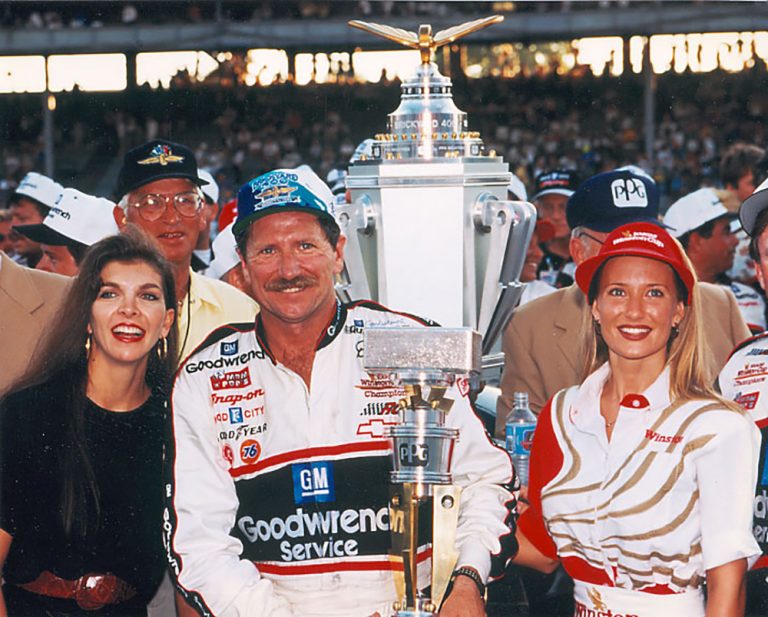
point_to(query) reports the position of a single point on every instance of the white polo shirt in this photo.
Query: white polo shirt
(669, 497)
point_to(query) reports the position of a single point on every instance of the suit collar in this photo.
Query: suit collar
(571, 298)
(569, 323)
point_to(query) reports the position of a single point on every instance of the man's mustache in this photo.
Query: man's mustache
(300, 282)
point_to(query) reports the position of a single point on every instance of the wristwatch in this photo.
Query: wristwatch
(470, 573)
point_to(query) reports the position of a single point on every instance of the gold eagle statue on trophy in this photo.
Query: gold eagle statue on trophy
(423, 40)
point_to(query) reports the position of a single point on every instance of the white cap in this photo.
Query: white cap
(752, 207)
(74, 216)
(335, 179)
(693, 211)
(364, 150)
(225, 254)
(40, 188)
(210, 190)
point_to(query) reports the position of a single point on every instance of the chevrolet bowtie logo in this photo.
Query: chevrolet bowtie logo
(162, 155)
(374, 428)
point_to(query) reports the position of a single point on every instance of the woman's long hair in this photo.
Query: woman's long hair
(62, 357)
(691, 371)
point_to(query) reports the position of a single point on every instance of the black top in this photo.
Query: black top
(550, 269)
(125, 449)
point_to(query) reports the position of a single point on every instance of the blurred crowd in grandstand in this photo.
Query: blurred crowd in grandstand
(541, 122)
(98, 14)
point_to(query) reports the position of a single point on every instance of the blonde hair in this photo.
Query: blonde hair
(691, 365)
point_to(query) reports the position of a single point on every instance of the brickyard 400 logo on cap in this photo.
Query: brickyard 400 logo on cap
(283, 190)
(161, 154)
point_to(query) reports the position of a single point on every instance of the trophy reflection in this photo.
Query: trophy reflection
(424, 503)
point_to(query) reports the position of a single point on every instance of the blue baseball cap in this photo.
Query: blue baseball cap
(283, 190)
(612, 199)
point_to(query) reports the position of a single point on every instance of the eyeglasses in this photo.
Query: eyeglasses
(591, 237)
(152, 206)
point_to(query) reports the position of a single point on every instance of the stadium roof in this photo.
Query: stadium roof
(308, 35)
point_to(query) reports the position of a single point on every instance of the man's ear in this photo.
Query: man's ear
(576, 249)
(339, 254)
(120, 217)
(759, 273)
(244, 268)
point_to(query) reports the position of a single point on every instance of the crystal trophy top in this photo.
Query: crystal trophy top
(427, 124)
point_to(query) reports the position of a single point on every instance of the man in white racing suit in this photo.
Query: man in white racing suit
(744, 379)
(279, 467)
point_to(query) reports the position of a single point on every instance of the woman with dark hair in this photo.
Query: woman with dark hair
(642, 477)
(82, 443)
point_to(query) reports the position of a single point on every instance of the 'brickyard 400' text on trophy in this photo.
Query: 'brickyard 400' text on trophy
(429, 229)
(426, 361)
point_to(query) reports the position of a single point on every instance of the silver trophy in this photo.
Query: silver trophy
(429, 228)
(426, 361)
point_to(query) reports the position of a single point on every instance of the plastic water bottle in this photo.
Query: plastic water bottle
(521, 424)
(548, 273)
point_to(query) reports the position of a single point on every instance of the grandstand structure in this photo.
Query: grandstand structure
(221, 26)
(660, 121)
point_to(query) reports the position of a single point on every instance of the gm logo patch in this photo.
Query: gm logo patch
(313, 483)
(229, 348)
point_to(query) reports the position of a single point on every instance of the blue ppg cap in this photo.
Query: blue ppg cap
(614, 198)
(283, 190)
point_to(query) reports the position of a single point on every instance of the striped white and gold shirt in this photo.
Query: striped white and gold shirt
(669, 497)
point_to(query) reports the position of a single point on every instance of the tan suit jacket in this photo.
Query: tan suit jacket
(29, 302)
(544, 352)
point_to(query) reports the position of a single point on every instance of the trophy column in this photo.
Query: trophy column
(426, 361)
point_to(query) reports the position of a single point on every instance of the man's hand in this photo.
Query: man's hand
(522, 499)
(464, 600)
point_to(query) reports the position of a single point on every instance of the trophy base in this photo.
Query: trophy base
(424, 608)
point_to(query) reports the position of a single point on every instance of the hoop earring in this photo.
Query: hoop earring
(88, 346)
(162, 349)
(598, 330)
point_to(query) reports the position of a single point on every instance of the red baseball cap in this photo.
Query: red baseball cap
(639, 240)
(228, 213)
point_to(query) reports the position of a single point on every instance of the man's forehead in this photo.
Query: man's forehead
(165, 185)
(285, 222)
(552, 199)
(20, 202)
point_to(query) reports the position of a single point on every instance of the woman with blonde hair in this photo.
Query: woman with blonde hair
(642, 477)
